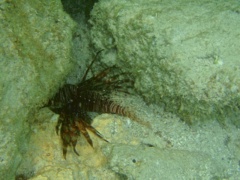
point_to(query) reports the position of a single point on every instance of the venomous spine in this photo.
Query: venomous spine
(73, 102)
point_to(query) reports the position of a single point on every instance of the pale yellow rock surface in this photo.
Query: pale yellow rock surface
(170, 149)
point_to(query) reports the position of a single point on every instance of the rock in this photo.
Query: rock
(35, 57)
(170, 150)
(44, 158)
(142, 162)
(184, 54)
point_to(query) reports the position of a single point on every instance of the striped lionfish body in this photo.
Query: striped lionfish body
(73, 102)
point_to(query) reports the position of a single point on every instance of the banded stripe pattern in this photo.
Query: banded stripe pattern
(73, 102)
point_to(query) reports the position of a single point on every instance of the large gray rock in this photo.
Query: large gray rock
(35, 51)
(185, 54)
(142, 162)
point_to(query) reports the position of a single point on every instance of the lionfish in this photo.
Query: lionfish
(73, 102)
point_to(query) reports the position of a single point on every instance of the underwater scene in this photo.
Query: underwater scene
(120, 89)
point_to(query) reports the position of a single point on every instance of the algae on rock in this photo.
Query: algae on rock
(35, 57)
(185, 54)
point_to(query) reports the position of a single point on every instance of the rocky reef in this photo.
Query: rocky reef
(184, 56)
